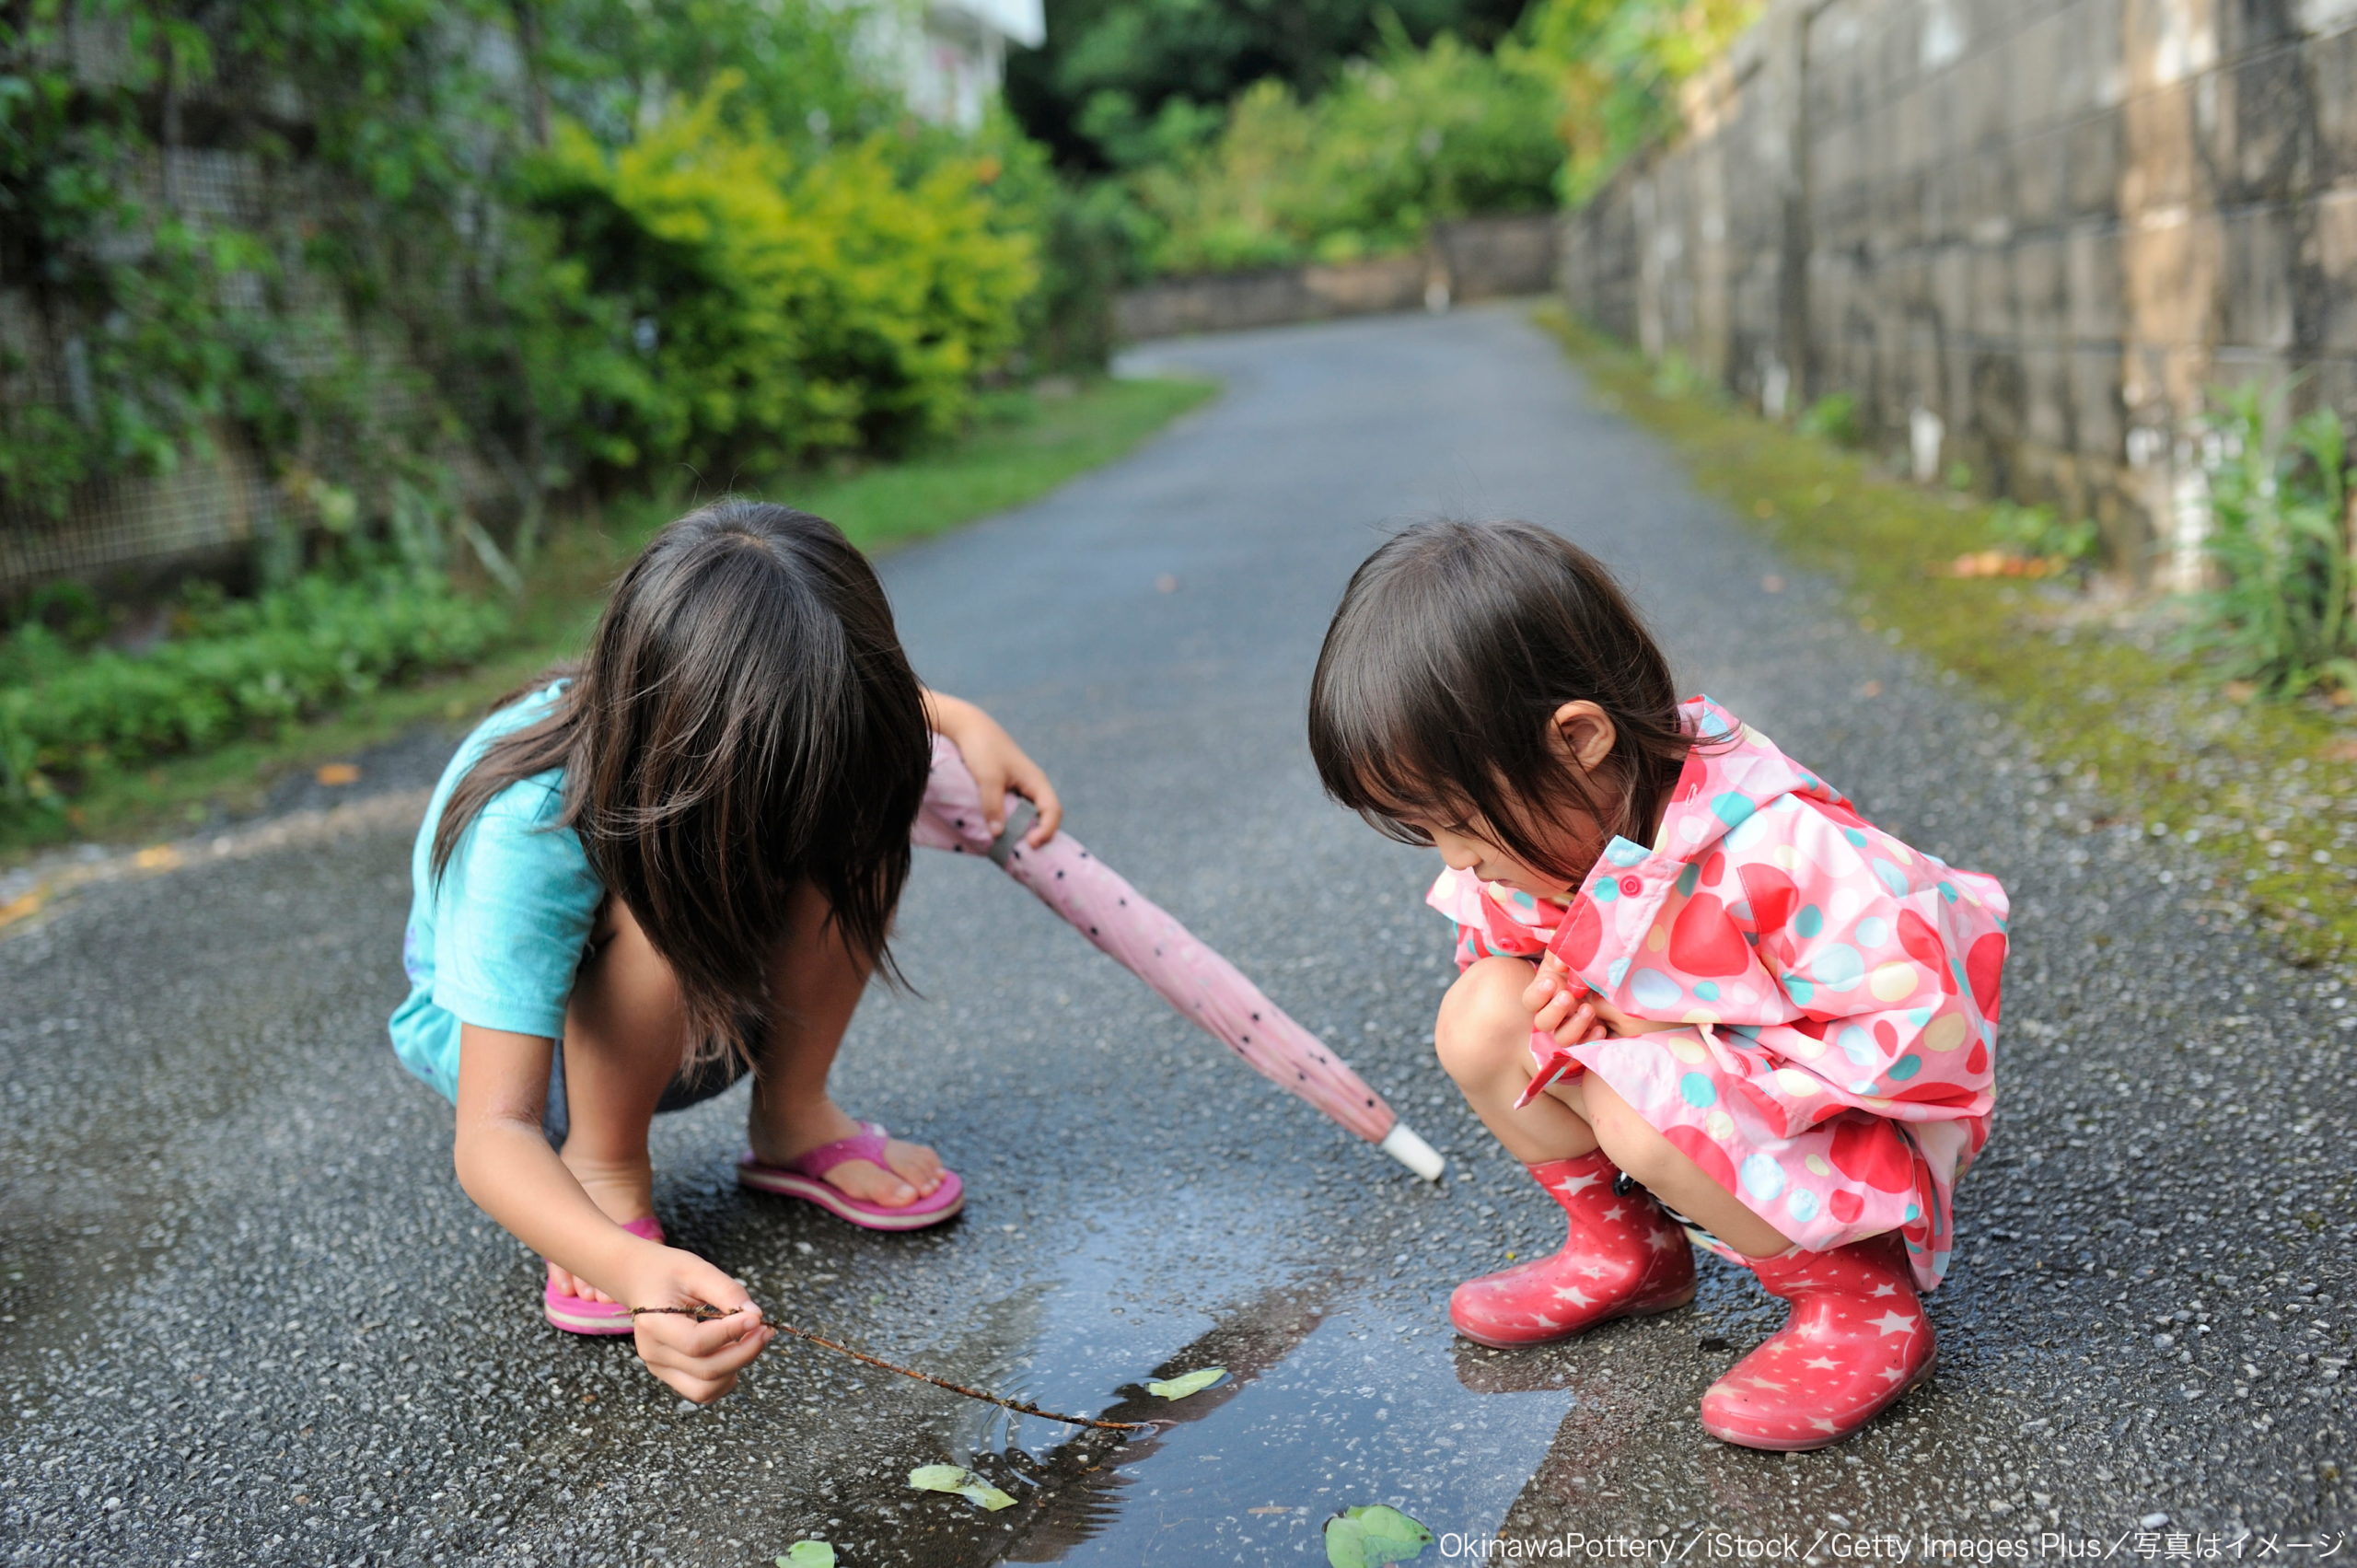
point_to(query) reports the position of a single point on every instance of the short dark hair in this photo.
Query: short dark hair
(746, 722)
(1436, 689)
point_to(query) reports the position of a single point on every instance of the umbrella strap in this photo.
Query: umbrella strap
(1018, 822)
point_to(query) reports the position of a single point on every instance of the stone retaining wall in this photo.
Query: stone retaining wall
(2028, 236)
(1473, 258)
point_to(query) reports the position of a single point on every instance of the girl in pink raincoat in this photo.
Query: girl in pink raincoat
(1697, 989)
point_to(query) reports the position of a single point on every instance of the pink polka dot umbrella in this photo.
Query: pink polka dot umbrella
(1096, 903)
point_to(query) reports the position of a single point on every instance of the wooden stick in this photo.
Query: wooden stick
(706, 1314)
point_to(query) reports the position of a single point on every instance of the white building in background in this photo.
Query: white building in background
(948, 55)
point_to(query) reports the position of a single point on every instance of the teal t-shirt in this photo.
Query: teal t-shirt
(497, 942)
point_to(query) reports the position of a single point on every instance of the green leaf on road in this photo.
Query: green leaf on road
(1187, 1383)
(1370, 1537)
(807, 1554)
(961, 1481)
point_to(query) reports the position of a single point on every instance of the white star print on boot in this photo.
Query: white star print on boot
(1858, 1338)
(1623, 1257)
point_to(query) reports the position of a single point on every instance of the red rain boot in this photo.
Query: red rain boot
(1623, 1257)
(1858, 1338)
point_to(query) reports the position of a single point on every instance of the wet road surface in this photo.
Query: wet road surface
(246, 1315)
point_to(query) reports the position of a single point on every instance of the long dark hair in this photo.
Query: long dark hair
(1436, 691)
(746, 722)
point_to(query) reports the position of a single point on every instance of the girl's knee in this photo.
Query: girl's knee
(1628, 1140)
(1483, 1024)
(1649, 1159)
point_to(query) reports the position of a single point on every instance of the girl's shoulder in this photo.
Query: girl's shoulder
(1743, 797)
(532, 803)
(513, 715)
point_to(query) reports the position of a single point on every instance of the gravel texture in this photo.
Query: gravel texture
(247, 1315)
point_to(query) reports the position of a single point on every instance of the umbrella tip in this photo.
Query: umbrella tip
(1402, 1144)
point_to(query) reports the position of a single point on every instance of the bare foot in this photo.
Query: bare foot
(622, 1193)
(910, 1171)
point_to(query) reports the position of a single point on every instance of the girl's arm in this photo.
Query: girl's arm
(997, 763)
(506, 1166)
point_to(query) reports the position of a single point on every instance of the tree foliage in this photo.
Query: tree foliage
(1113, 70)
(1617, 66)
(476, 235)
(1396, 144)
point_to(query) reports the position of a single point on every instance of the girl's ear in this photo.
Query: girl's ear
(1583, 734)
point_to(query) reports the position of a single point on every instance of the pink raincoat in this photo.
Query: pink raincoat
(1842, 989)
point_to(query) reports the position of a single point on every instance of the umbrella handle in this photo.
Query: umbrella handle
(1402, 1144)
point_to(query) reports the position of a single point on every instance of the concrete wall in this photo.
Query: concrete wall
(1473, 258)
(2027, 234)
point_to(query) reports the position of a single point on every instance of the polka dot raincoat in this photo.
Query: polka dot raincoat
(1840, 990)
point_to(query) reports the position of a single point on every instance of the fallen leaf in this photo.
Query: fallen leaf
(964, 1482)
(1371, 1538)
(1771, 583)
(1997, 564)
(809, 1554)
(1187, 1383)
(335, 775)
(157, 857)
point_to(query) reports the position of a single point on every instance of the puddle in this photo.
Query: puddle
(1330, 1401)
(1338, 1418)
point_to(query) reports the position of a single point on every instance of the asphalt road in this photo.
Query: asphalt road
(248, 1317)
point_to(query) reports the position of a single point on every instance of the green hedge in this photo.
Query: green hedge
(718, 298)
(234, 668)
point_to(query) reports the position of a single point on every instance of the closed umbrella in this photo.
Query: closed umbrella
(1201, 984)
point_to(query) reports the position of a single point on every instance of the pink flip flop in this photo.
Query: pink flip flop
(567, 1311)
(801, 1178)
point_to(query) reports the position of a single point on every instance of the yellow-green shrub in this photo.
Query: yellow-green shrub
(742, 306)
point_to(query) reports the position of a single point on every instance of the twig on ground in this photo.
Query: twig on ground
(705, 1314)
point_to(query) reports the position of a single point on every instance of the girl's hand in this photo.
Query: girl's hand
(1561, 1004)
(699, 1360)
(998, 764)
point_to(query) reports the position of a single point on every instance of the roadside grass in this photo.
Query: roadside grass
(2265, 789)
(1024, 445)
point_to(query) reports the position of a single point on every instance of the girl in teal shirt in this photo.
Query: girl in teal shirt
(669, 868)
